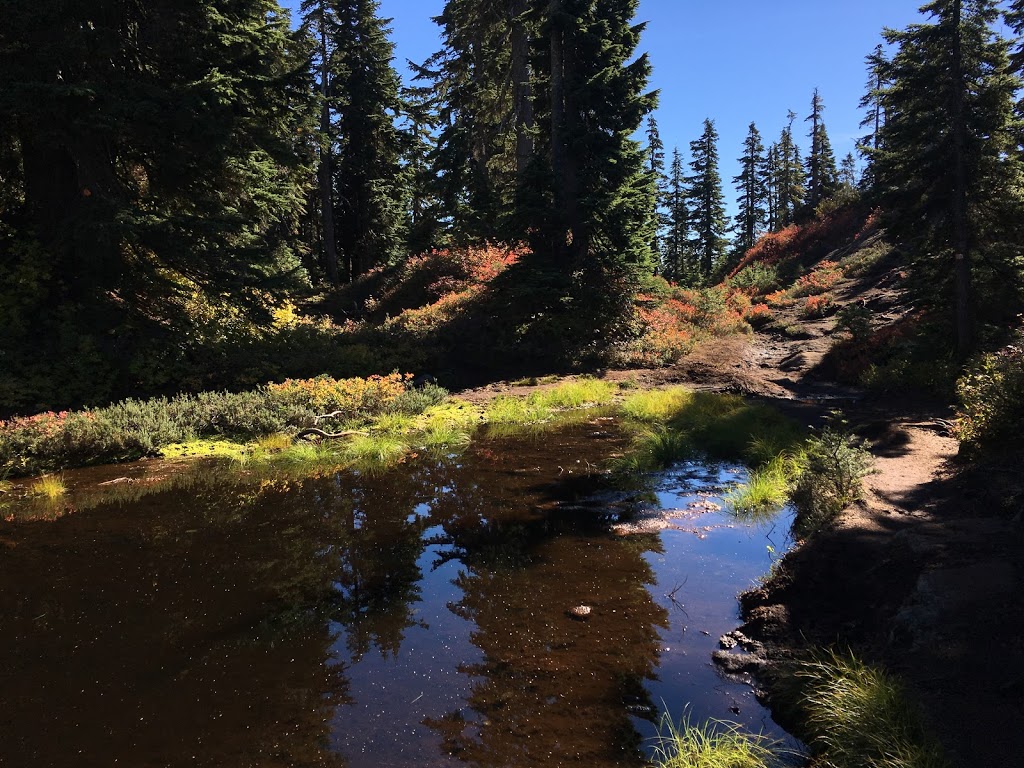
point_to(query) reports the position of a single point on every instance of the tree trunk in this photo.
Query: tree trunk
(964, 314)
(324, 174)
(522, 91)
(576, 243)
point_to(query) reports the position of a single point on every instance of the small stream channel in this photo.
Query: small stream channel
(480, 609)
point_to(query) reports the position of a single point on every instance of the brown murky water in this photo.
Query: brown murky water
(474, 610)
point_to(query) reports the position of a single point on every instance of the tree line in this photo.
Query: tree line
(150, 151)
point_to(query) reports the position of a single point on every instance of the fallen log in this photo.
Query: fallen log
(319, 433)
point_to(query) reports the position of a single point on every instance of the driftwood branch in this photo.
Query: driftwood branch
(313, 432)
(334, 415)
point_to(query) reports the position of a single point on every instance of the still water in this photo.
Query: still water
(480, 609)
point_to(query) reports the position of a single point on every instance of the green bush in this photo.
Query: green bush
(756, 280)
(832, 478)
(991, 395)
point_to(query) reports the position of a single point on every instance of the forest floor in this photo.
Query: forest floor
(923, 576)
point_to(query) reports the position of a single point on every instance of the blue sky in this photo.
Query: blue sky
(735, 61)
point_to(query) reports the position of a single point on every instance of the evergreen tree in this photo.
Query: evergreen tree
(872, 103)
(848, 176)
(753, 191)
(1015, 18)
(945, 168)
(789, 177)
(158, 145)
(773, 176)
(597, 196)
(821, 162)
(675, 263)
(485, 117)
(369, 179)
(656, 167)
(419, 135)
(321, 24)
(706, 202)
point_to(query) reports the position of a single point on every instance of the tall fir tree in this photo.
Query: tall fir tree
(420, 113)
(753, 191)
(945, 169)
(773, 181)
(321, 24)
(369, 178)
(675, 262)
(485, 110)
(597, 196)
(117, 188)
(656, 167)
(822, 174)
(874, 108)
(162, 153)
(706, 202)
(1015, 19)
(790, 177)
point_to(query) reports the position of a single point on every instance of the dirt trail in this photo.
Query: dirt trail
(924, 575)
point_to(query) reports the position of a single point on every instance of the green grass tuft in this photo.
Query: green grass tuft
(766, 489)
(658, 405)
(49, 487)
(374, 451)
(515, 411)
(576, 394)
(712, 745)
(857, 716)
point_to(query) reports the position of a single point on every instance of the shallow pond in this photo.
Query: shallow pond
(481, 609)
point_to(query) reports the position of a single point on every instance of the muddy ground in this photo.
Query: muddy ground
(924, 575)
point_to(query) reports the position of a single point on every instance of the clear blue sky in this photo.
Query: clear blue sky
(735, 61)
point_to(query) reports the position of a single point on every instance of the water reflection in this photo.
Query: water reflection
(475, 610)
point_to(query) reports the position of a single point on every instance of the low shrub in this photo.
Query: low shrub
(757, 279)
(991, 395)
(834, 466)
(132, 429)
(817, 306)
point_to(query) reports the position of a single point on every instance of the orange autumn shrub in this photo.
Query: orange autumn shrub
(816, 306)
(758, 315)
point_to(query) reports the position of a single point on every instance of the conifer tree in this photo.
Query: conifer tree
(945, 168)
(821, 162)
(848, 176)
(181, 162)
(675, 263)
(321, 23)
(656, 167)
(369, 179)
(599, 195)
(485, 112)
(706, 202)
(753, 192)
(772, 173)
(419, 139)
(790, 177)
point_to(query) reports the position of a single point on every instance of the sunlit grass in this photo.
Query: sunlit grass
(712, 745)
(218, 447)
(394, 423)
(766, 490)
(375, 450)
(274, 443)
(49, 487)
(514, 410)
(858, 716)
(576, 394)
(654, 449)
(445, 436)
(657, 405)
